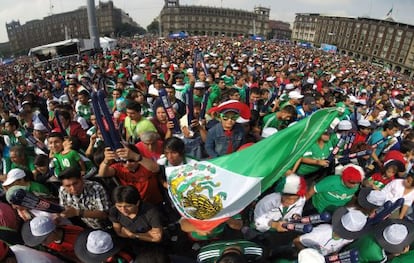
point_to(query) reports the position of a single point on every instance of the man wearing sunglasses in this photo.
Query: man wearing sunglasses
(226, 136)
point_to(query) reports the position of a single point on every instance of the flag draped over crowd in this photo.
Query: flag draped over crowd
(207, 193)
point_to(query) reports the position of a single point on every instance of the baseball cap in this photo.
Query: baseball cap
(364, 123)
(295, 95)
(13, 175)
(39, 127)
(35, 231)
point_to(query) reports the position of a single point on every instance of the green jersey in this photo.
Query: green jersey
(331, 193)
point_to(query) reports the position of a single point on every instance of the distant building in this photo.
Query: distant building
(57, 27)
(304, 27)
(279, 30)
(212, 21)
(382, 42)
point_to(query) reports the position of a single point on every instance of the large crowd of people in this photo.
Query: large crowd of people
(176, 101)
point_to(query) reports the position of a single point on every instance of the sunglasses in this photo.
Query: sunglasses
(226, 118)
(129, 161)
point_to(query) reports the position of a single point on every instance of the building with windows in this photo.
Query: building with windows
(57, 27)
(212, 21)
(279, 30)
(383, 42)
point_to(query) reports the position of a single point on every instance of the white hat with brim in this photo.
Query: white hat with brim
(96, 246)
(35, 231)
(349, 223)
(13, 175)
(393, 235)
(369, 198)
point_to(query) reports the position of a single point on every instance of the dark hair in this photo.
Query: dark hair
(19, 150)
(13, 122)
(406, 146)
(175, 144)
(41, 160)
(84, 93)
(411, 174)
(290, 109)
(232, 257)
(76, 144)
(56, 134)
(126, 194)
(69, 173)
(389, 125)
(65, 115)
(133, 105)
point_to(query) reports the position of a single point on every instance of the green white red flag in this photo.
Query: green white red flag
(207, 193)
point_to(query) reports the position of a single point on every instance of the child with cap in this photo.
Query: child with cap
(334, 191)
(275, 210)
(43, 231)
(347, 224)
(99, 246)
(391, 238)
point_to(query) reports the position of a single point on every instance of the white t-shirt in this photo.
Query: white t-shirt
(29, 255)
(394, 190)
(321, 239)
(269, 208)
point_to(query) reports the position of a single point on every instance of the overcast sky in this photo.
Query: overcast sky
(144, 11)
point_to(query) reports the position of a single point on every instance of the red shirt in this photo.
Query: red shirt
(359, 137)
(144, 180)
(67, 247)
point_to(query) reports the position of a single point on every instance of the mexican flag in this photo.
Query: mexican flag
(207, 193)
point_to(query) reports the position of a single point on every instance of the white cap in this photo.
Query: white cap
(377, 197)
(38, 126)
(13, 175)
(289, 86)
(310, 255)
(99, 242)
(268, 131)
(199, 84)
(354, 220)
(42, 225)
(344, 125)
(295, 95)
(136, 78)
(364, 123)
(395, 233)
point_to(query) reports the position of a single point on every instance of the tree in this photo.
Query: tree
(129, 30)
(153, 27)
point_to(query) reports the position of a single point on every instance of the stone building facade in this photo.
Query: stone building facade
(212, 21)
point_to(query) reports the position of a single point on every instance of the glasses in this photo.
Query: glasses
(226, 118)
(129, 161)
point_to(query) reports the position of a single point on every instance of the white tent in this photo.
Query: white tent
(107, 43)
